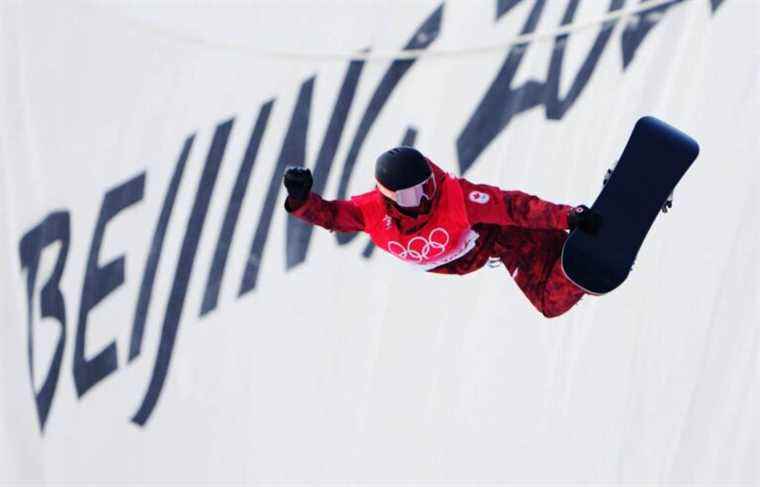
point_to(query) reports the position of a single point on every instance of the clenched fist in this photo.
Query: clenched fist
(298, 182)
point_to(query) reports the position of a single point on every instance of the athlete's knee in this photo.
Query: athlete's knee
(554, 311)
(556, 304)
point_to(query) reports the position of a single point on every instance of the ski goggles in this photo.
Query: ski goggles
(411, 197)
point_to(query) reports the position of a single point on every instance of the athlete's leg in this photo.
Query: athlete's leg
(532, 258)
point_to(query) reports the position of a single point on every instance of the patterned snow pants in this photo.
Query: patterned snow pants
(532, 258)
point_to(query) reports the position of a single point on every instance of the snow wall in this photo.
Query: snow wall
(163, 321)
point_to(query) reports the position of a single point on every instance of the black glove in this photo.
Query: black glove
(298, 182)
(584, 218)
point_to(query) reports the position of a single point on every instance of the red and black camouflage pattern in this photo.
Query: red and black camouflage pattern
(523, 231)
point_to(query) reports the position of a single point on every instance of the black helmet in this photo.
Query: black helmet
(401, 168)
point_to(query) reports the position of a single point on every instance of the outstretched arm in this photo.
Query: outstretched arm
(489, 204)
(339, 215)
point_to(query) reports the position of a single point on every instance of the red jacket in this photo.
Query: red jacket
(489, 210)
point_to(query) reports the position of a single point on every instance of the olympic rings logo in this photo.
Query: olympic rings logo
(420, 249)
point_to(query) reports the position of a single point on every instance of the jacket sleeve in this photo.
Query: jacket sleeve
(338, 215)
(492, 205)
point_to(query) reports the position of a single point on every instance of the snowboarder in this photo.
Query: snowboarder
(448, 225)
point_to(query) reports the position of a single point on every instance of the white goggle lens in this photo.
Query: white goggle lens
(410, 197)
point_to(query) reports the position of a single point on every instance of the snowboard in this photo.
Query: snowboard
(655, 158)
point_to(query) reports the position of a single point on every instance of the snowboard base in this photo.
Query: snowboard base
(655, 158)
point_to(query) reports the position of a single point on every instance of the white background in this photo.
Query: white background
(354, 370)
